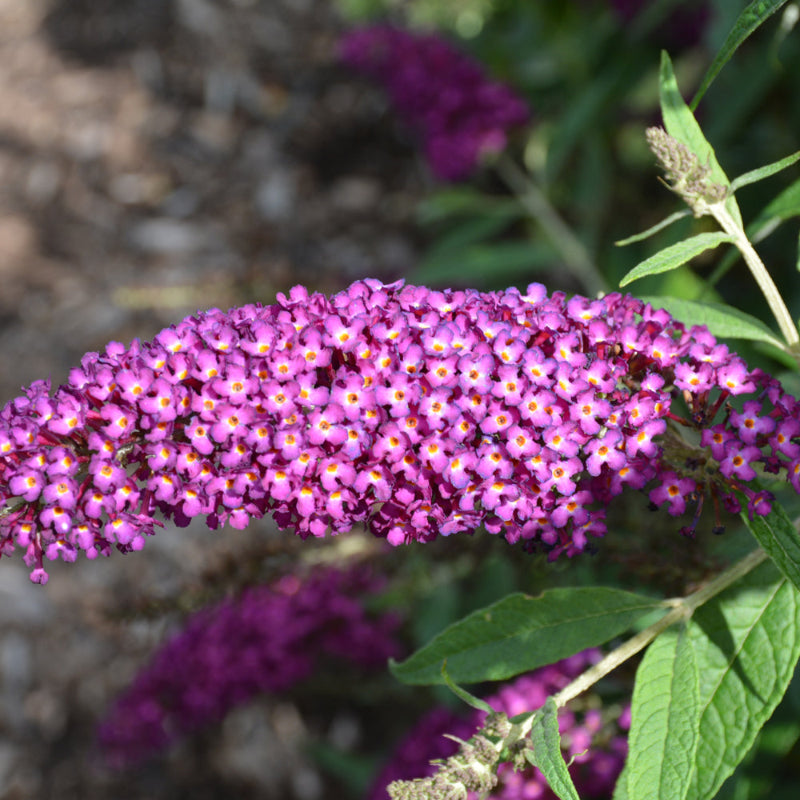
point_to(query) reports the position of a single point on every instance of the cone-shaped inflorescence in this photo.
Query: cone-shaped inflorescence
(444, 95)
(413, 412)
(266, 640)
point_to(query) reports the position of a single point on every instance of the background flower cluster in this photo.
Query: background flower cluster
(268, 639)
(444, 95)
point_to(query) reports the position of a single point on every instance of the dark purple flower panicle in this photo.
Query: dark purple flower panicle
(444, 95)
(593, 744)
(267, 640)
(413, 412)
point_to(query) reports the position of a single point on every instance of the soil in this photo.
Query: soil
(159, 157)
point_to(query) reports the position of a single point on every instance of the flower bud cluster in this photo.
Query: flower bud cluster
(594, 746)
(441, 93)
(413, 412)
(685, 174)
(266, 640)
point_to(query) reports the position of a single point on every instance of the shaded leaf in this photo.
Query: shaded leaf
(676, 255)
(545, 753)
(520, 633)
(464, 695)
(778, 537)
(664, 720)
(748, 21)
(764, 172)
(785, 206)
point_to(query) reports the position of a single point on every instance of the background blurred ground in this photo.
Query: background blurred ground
(163, 156)
(156, 157)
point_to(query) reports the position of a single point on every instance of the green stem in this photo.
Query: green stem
(571, 248)
(763, 278)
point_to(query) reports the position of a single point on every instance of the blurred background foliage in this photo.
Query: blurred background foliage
(589, 70)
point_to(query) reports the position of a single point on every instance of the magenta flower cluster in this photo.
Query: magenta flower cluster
(413, 412)
(442, 94)
(269, 639)
(594, 746)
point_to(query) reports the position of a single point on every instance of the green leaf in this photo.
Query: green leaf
(621, 786)
(746, 642)
(520, 633)
(463, 694)
(749, 20)
(638, 237)
(722, 320)
(664, 720)
(681, 124)
(764, 172)
(778, 536)
(545, 753)
(676, 255)
(785, 206)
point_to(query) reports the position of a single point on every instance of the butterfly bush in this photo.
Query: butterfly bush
(442, 94)
(594, 745)
(266, 640)
(415, 413)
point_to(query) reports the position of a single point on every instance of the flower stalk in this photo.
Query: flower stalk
(563, 238)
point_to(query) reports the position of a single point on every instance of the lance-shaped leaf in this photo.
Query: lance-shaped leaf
(746, 642)
(638, 237)
(723, 321)
(545, 752)
(676, 255)
(778, 536)
(664, 720)
(748, 21)
(785, 206)
(520, 633)
(766, 171)
(681, 124)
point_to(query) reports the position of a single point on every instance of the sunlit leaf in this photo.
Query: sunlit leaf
(747, 643)
(723, 321)
(676, 255)
(681, 125)
(664, 720)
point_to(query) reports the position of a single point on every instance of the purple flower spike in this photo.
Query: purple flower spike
(267, 640)
(548, 410)
(594, 744)
(445, 96)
